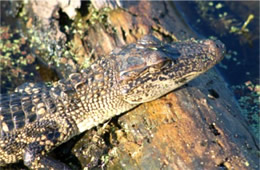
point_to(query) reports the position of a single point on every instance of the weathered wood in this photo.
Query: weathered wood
(196, 127)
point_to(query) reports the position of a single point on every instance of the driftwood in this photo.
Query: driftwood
(198, 126)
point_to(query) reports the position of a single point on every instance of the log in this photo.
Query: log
(195, 127)
(198, 126)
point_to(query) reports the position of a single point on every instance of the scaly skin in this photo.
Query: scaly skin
(36, 118)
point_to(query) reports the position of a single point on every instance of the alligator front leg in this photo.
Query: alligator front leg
(34, 159)
(45, 138)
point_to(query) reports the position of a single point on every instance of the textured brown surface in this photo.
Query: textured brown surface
(195, 127)
(186, 129)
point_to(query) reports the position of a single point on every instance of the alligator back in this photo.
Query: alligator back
(29, 103)
(82, 96)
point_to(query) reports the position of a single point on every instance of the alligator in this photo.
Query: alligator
(37, 118)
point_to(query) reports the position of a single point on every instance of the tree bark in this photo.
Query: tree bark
(198, 126)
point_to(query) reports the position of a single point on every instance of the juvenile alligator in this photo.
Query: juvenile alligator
(37, 118)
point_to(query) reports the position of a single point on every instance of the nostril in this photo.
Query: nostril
(220, 45)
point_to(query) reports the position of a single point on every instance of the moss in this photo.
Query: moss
(248, 99)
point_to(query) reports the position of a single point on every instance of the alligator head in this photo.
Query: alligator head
(149, 68)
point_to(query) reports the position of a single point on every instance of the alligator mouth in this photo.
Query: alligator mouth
(185, 79)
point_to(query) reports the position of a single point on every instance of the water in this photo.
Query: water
(236, 24)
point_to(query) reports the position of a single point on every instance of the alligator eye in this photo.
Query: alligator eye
(132, 66)
(168, 63)
(127, 75)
